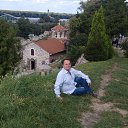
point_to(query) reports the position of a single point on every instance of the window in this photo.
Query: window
(32, 52)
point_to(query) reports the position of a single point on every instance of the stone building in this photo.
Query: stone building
(59, 32)
(38, 53)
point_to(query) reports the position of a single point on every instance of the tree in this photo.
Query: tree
(74, 24)
(98, 46)
(26, 28)
(9, 48)
(74, 53)
(115, 13)
(78, 37)
(90, 6)
(116, 17)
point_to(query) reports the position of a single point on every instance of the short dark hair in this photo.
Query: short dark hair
(62, 62)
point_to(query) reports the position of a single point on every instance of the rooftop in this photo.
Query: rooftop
(52, 46)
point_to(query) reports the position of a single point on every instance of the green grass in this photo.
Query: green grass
(117, 91)
(29, 102)
(110, 120)
(95, 70)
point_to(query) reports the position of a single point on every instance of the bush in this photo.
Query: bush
(76, 47)
(125, 47)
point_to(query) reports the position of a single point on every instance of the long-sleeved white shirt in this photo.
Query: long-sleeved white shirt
(65, 81)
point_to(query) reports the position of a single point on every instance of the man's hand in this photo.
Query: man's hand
(89, 84)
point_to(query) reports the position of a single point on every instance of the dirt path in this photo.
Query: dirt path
(89, 119)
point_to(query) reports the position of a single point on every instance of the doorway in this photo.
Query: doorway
(33, 66)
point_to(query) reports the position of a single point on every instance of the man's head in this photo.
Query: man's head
(66, 64)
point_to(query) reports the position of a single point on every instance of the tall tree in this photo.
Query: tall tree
(115, 12)
(116, 16)
(98, 46)
(9, 48)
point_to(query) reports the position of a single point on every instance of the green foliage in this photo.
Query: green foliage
(79, 40)
(116, 17)
(84, 24)
(78, 37)
(44, 19)
(98, 46)
(124, 46)
(117, 89)
(110, 120)
(89, 7)
(47, 26)
(9, 48)
(26, 28)
(73, 53)
(48, 19)
(115, 12)
(74, 26)
(79, 25)
(76, 47)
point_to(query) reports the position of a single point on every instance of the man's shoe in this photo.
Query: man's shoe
(94, 95)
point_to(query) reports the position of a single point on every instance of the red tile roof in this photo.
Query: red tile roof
(58, 28)
(52, 46)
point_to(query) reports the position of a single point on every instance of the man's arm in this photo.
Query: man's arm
(80, 74)
(58, 84)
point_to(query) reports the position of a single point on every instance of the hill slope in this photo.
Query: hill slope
(29, 102)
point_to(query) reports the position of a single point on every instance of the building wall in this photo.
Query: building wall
(40, 56)
(57, 56)
(59, 35)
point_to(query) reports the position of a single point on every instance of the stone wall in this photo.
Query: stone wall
(40, 56)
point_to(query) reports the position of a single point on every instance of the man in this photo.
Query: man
(71, 81)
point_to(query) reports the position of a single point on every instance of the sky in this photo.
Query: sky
(57, 6)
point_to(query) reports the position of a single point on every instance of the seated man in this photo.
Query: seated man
(71, 81)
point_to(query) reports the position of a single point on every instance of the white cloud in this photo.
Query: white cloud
(12, 0)
(35, 1)
(40, 1)
(76, 1)
(61, 2)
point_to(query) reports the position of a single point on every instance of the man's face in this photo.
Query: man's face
(67, 65)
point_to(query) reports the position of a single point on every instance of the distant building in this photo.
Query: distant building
(13, 19)
(38, 53)
(9, 18)
(59, 32)
(33, 20)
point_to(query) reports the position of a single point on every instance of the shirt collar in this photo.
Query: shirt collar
(65, 71)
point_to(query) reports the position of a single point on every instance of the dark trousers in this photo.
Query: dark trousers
(82, 87)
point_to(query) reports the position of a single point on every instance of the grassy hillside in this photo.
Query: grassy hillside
(116, 93)
(29, 102)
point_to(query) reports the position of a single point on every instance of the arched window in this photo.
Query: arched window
(32, 52)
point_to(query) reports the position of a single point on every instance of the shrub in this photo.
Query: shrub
(125, 47)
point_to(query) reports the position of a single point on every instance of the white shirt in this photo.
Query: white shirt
(65, 81)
